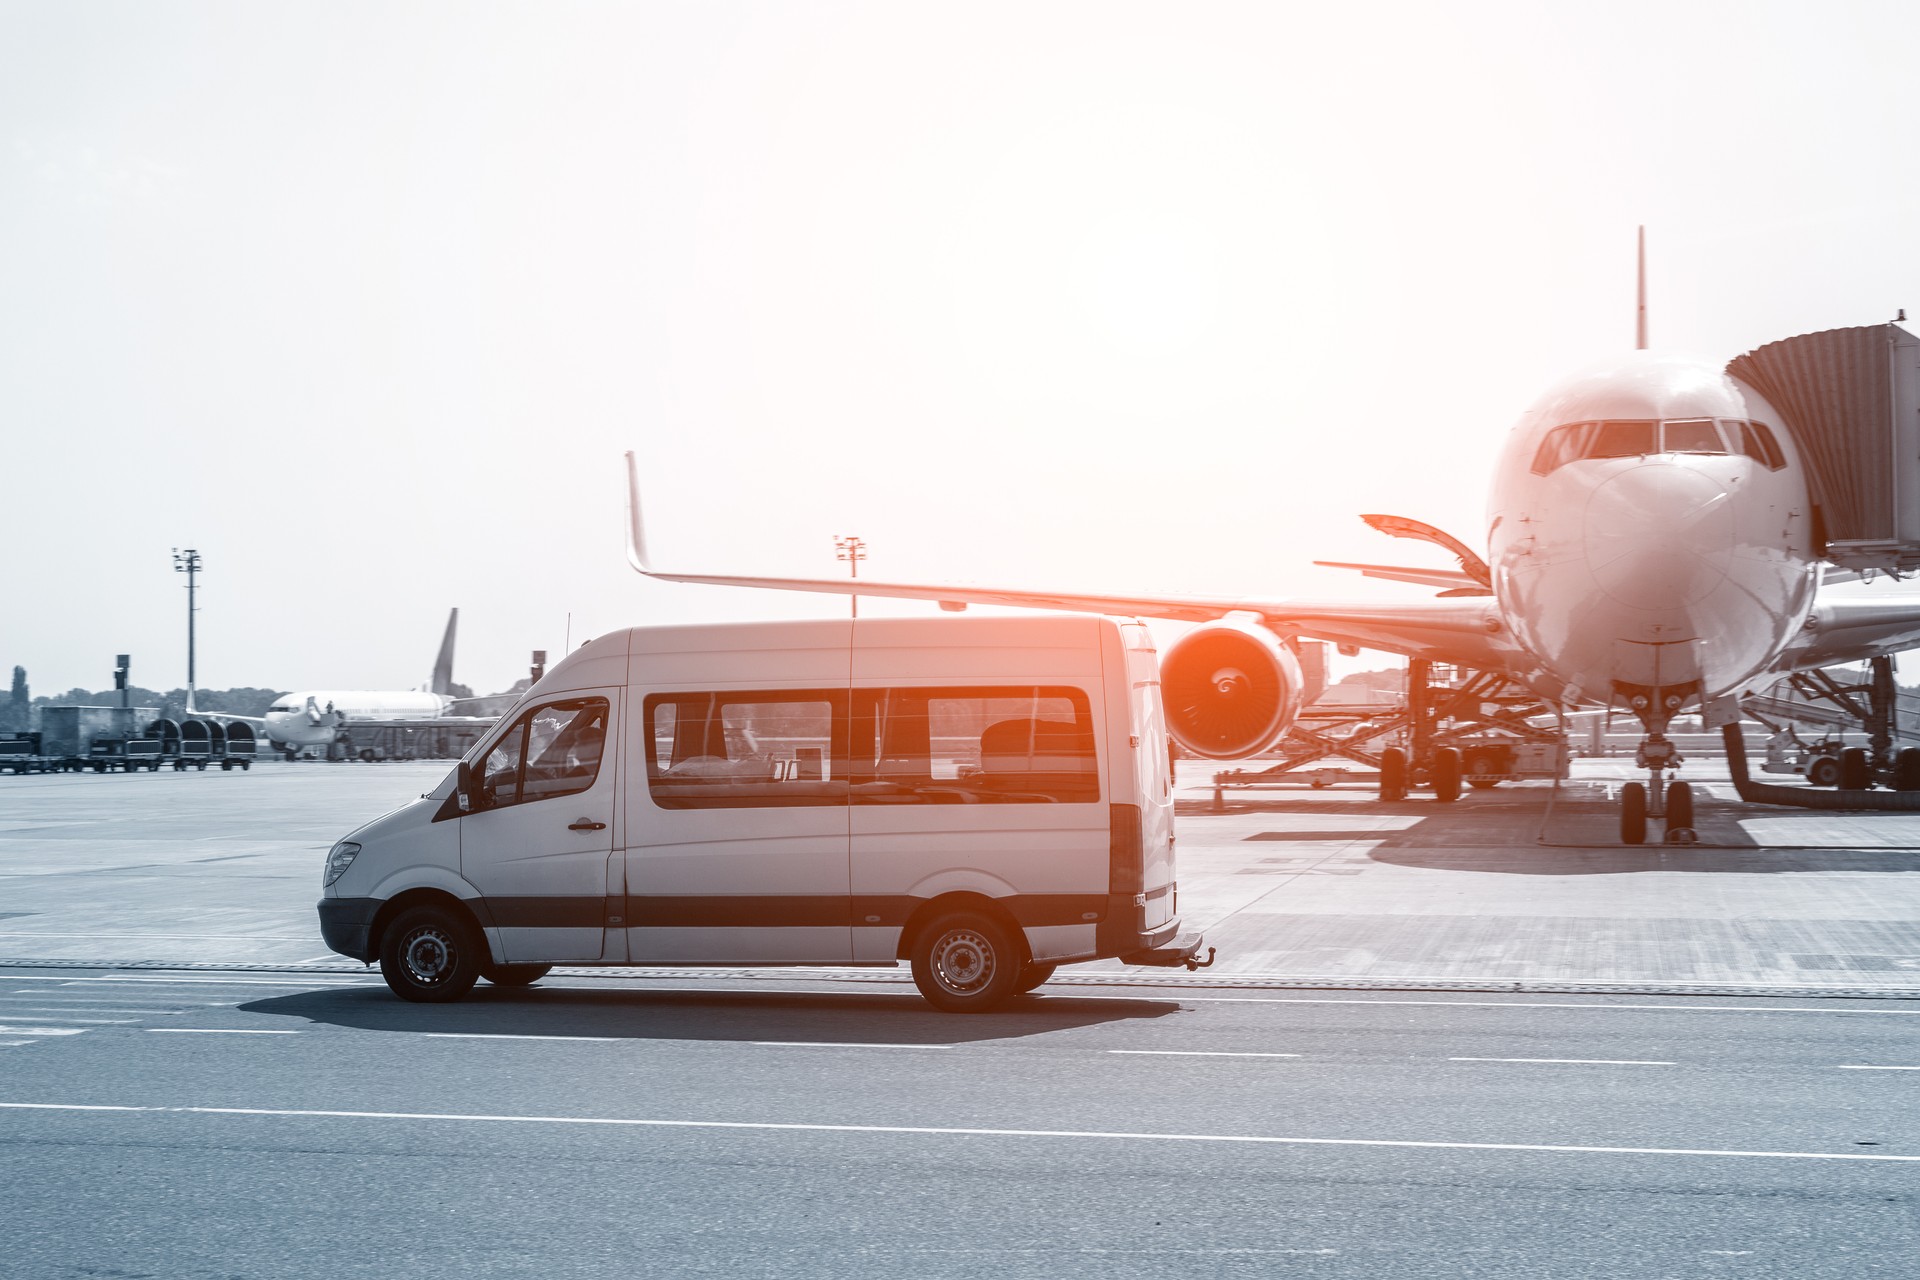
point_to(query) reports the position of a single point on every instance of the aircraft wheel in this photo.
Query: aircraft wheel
(1824, 771)
(1856, 774)
(1679, 806)
(1633, 813)
(1393, 774)
(292, 755)
(1906, 769)
(1447, 771)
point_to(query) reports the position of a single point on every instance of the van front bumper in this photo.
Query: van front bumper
(345, 924)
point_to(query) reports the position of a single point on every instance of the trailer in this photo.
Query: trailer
(20, 753)
(126, 755)
(441, 738)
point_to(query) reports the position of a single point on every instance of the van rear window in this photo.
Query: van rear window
(950, 745)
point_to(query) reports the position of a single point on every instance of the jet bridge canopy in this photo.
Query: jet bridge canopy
(1851, 398)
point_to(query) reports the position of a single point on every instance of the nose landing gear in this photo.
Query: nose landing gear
(1672, 802)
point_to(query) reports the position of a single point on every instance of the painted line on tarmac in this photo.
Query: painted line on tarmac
(10, 1029)
(1200, 1053)
(1476, 1004)
(306, 983)
(214, 1031)
(1231, 1139)
(1576, 1062)
(1866, 1068)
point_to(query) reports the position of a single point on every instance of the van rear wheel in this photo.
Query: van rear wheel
(429, 955)
(966, 963)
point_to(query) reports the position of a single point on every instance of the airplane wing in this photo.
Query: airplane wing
(1853, 630)
(1444, 630)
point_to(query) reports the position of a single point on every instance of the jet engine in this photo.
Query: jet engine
(1231, 690)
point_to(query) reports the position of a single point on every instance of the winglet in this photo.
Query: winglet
(636, 535)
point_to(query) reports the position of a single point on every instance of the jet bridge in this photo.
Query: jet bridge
(1851, 399)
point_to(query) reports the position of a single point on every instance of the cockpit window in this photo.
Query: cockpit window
(1620, 439)
(1630, 438)
(1758, 443)
(1691, 435)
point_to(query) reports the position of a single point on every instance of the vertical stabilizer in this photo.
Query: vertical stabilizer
(443, 665)
(1640, 311)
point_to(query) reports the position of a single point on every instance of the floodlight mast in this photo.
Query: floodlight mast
(188, 562)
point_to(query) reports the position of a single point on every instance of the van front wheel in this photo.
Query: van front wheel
(515, 975)
(966, 963)
(430, 956)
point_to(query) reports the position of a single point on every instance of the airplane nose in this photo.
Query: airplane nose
(1659, 536)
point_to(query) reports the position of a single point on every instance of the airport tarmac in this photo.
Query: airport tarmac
(1502, 890)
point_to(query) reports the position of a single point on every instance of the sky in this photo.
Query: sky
(365, 302)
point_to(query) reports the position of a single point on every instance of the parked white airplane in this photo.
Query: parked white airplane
(1651, 546)
(311, 717)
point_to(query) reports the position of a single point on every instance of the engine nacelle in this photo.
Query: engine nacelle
(1231, 690)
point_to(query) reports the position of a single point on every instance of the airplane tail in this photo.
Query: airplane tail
(443, 665)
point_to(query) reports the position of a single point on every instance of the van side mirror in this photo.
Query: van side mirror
(463, 788)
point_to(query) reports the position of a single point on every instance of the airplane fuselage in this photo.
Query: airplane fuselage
(1651, 537)
(311, 719)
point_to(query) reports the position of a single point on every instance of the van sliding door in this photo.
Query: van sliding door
(738, 835)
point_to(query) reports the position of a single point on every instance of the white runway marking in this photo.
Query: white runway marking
(10, 1030)
(1200, 1053)
(1578, 1062)
(317, 980)
(1867, 1068)
(90, 1021)
(214, 1031)
(945, 1132)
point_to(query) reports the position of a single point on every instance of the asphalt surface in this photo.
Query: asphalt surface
(227, 1125)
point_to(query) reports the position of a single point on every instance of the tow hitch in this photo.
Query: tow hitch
(1182, 952)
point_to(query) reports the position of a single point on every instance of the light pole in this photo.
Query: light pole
(853, 551)
(188, 562)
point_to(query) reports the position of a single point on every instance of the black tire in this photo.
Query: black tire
(1032, 975)
(226, 766)
(1679, 806)
(1446, 772)
(966, 963)
(1824, 771)
(1633, 813)
(291, 755)
(515, 975)
(366, 754)
(1856, 769)
(1483, 784)
(431, 955)
(1906, 769)
(1393, 774)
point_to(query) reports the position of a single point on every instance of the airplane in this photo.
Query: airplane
(1651, 546)
(312, 718)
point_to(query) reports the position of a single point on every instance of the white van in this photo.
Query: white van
(985, 798)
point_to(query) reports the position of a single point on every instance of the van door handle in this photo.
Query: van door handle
(585, 824)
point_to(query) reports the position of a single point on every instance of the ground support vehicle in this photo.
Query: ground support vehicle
(105, 755)
(1457, 727)
(981, 798)
(441, 738)
(1839, 699)
(21, 754)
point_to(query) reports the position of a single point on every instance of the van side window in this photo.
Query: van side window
(552, 750)
(991, 745)
(746, 750)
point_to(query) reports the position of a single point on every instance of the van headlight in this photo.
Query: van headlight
(338, 860)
